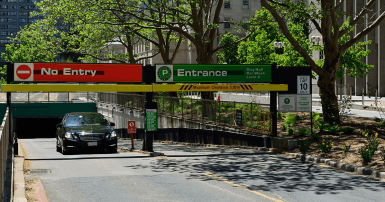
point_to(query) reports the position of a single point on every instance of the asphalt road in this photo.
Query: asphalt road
(190, 174)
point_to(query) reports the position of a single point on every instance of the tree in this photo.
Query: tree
(230, 53)
(98, 24)
(196, 20)
(37, 42)
(325, 21)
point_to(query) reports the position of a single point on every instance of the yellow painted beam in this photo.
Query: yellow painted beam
(213, 87)
(141, 88)
(75, 88)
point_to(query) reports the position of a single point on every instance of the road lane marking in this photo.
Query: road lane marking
(237, 185)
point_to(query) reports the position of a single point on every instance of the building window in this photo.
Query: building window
(227, 4)
(24, 13)
(246, 21)
(321, 55)
(246, 4)
(227, 24)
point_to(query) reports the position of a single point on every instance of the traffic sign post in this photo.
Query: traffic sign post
(298, 97)
(149, 107)
(131, 128)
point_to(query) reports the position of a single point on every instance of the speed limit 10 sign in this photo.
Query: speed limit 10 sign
(303, 84)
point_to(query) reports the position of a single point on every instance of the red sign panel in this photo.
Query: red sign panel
(68, 72)
(131, 127)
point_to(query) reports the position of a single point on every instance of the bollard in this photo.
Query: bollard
(350, 92)
(336, 91)
(363, 96)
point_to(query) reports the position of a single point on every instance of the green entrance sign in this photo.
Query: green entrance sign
(151, 120)
(213, 73)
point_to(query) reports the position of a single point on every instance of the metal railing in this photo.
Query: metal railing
(50, 97)
(189, 108)
(255, 120)
(4, 145)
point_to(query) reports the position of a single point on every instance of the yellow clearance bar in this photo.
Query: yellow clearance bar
(213, 87)
(141, 88)
(75, 88)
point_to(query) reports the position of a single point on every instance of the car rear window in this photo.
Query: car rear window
(88, 119)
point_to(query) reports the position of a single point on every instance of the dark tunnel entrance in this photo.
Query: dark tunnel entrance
(36, 127)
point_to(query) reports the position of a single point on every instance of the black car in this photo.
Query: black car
(85, 130)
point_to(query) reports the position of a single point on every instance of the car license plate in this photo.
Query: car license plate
(92, 143)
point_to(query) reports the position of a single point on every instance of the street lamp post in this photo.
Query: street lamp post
(279, 46)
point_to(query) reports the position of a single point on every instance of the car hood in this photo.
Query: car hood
(90, 129)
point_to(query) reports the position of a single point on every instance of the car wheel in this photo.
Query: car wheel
(57, 145)
(113, 150)
(64, 151)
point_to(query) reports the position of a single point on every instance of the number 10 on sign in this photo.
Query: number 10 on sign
(303, 84)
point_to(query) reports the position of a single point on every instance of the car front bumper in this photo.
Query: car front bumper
(79, 144)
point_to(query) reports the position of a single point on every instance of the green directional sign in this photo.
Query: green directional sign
(213, 73)
(151, 120)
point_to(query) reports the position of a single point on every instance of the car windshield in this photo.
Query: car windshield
(85, 119)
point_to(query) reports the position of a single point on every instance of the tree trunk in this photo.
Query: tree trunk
(207, 107)
(329, 102)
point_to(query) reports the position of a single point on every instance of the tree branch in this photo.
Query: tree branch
(359, 17)
(287, 34)
(366, 31)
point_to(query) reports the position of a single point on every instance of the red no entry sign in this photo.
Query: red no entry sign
(131, 127)
(69, 72)
(24, 72)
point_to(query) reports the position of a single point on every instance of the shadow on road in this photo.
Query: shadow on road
(259, 171)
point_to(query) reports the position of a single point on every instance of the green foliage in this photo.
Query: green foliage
(305, 145)
(291, 119)
(325, 145)
(230, 53)
(37, 42)
(290, 131)
(315, 136)
(303, 131)
(285, 126)
(316, 116)
(367, 152)
(322, 125)
(347, 147)
(332, 129)
(381, 123)
(279, 114)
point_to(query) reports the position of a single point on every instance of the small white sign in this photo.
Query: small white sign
(286, 103)
(304, 103)
(303, 85)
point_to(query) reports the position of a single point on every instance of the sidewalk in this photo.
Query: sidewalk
(369, 102)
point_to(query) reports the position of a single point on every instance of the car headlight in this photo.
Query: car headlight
(68, 135)
(113, 134)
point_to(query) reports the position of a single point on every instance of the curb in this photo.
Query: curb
(152, 154)
(304, 157)
(341, 166)
(19, 182)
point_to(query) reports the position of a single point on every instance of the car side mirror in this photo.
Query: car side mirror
(112, 124)
(59, 125)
